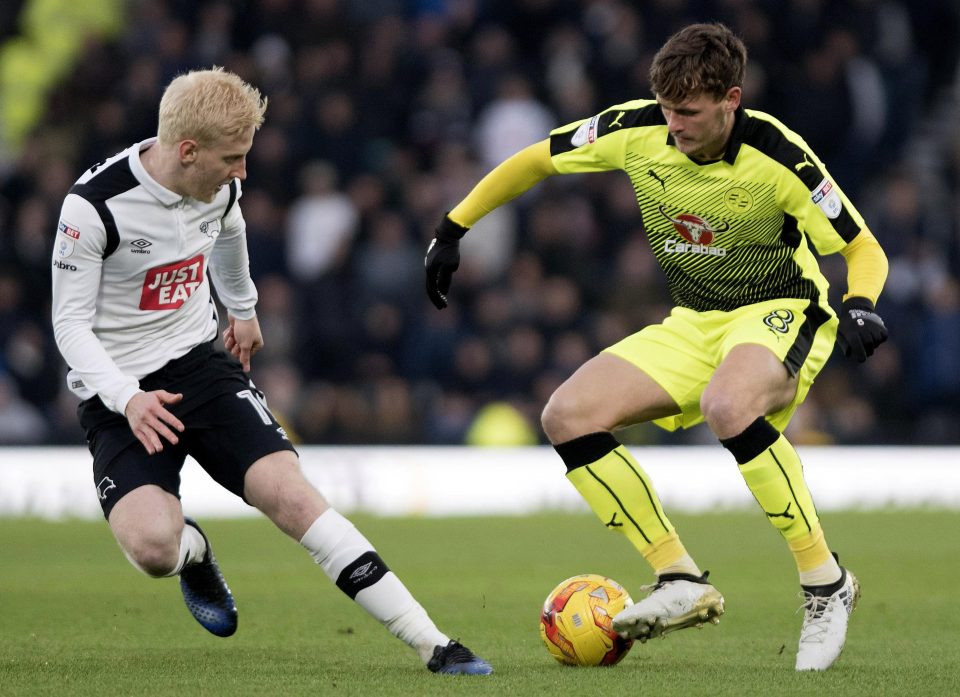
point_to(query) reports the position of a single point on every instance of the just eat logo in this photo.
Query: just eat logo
(168, 287)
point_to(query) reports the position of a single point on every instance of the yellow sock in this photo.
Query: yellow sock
(620, 493)
(815, 564)
(771, 468)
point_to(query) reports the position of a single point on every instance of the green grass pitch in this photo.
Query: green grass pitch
(76, 619)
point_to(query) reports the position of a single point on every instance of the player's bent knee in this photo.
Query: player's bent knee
(154, 559)
(561, 418)
(725, 415)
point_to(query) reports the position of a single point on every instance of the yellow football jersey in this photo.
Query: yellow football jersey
(727, 233)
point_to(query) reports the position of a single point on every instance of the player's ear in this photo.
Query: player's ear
(188, 150)
(732, 99)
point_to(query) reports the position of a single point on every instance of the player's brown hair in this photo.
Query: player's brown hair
(698, 59)
(205, 105)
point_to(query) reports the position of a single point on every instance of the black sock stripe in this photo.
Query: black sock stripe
(362, 572)
(756, 438)
(619, 503)
(650, 498)
(790, 486)
(587, 449)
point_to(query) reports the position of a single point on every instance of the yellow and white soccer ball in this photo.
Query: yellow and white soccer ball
(576, 623)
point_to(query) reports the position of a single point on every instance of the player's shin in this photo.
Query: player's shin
(772, 469)
(350, 561)
(620, 493)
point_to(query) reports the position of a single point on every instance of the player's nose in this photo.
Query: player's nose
(240, 170)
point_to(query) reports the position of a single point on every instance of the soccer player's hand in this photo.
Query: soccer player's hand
(243, 339)
(150, 420)
(861, 330)
(443, 258)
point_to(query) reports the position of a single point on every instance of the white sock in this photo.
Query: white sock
(826, 574)
(350, 561)
(192, 549)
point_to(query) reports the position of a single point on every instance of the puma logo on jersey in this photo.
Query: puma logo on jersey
(616, 122)
(663, 181)
(804, 163)
(168, 287)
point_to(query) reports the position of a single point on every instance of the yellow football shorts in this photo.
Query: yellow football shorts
(682, 353)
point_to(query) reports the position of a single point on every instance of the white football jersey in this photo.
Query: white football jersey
(131, 264)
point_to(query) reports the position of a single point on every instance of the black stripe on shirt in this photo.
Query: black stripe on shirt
(105, 184)
(611, 121)
(771, 141)
(233, 197)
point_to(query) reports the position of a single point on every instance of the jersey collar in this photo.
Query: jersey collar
(158, 191)
(736, 135)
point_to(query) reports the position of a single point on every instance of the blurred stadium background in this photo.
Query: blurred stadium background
(383, 113)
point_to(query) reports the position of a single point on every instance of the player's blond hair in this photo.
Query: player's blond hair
(698, 59)
(205, 105)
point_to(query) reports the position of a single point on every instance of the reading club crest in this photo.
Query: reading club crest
(693, 228)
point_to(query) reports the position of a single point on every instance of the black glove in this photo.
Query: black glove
(861, 330)
(443, 258)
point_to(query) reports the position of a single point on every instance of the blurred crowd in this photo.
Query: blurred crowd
(384, 113)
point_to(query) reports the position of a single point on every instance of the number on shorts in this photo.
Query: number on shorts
(779, 320)
(258, 403)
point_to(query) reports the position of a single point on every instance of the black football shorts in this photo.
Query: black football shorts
(227, 424)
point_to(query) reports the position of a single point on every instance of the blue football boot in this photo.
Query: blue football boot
(206, 593)
(457, 659)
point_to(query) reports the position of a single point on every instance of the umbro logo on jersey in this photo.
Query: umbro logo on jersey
(139, 246)
(57, 264)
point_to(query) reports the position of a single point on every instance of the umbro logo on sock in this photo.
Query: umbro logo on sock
(362, 572)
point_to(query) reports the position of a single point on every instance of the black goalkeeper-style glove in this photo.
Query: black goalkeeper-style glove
(443, 258)
(861, 330)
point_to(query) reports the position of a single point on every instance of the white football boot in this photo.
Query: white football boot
(825, 620)
(676, 601)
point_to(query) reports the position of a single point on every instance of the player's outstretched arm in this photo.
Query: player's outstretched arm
(509, 179)
(861, 330)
